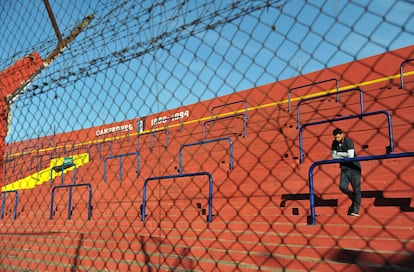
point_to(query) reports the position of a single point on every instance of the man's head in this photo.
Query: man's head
(338, 135)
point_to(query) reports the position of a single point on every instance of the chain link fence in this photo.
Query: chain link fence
(139, 59)
(89, 73)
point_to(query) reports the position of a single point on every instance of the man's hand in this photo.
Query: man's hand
(341, 155)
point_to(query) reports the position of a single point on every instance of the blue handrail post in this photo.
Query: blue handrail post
(120, 156)
(103, 143)
(152, 134)
(63, 167)
(206, 142)
(3, 203)
(120, 169)
(387, 114)
(210, 191)
(301, 155)
(166, 138)
(312, 195)
(138, 164)
(140, 129)
(401, 72)
(70, 186)
(70, 202)
(155, 130)
(96, 146)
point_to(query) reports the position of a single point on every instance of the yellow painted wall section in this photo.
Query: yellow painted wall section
(44, 175)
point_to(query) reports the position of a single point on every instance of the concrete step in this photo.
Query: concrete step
(168, 246)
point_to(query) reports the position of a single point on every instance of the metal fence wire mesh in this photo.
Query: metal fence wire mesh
(154, 135)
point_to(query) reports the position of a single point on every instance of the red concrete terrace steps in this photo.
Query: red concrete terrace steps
(237, 213)
(250, 229)
(227, 200)
(231, 217)
(194, 245)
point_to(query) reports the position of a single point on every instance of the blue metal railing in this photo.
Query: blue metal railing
(70, 186)
(62, 168)
(229, 104)
(155, 130)
(120, 156)
(401, 72)
(99, 146)
(364, 158)
(223, 118)
(361, 100)
(206, 142)
(13, 161)
(3, 202)
(213, 118)
(152, 133)
(63, 143)
(391, 146)
(110, 142)
(33, 147)
(210, 191)
(312, 84)
(38, 160)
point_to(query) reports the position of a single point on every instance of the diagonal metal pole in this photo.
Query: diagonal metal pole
(73, 34)
(53, 21)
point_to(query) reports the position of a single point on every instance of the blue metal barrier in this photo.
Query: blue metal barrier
(70, 186)
(62, 168)
(99, 146)
(63, 143)
(364, 158)
(12, 160)
(391, 146)
(229, 104)
(223, 118)
(361, 100)
(156, 130)
(39, 161)
(206, 142)
(245, 117)
(34, 147)
(401, 72)
(210, 191)
(3, 202)
(111, 147)
(152, 133)
(312, 84)
(120, 156)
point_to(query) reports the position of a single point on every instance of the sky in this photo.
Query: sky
(139, 58)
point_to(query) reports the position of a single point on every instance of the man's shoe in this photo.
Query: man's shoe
(354, 214)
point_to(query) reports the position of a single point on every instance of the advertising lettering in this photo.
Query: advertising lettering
(121, 128)
(174, 117)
